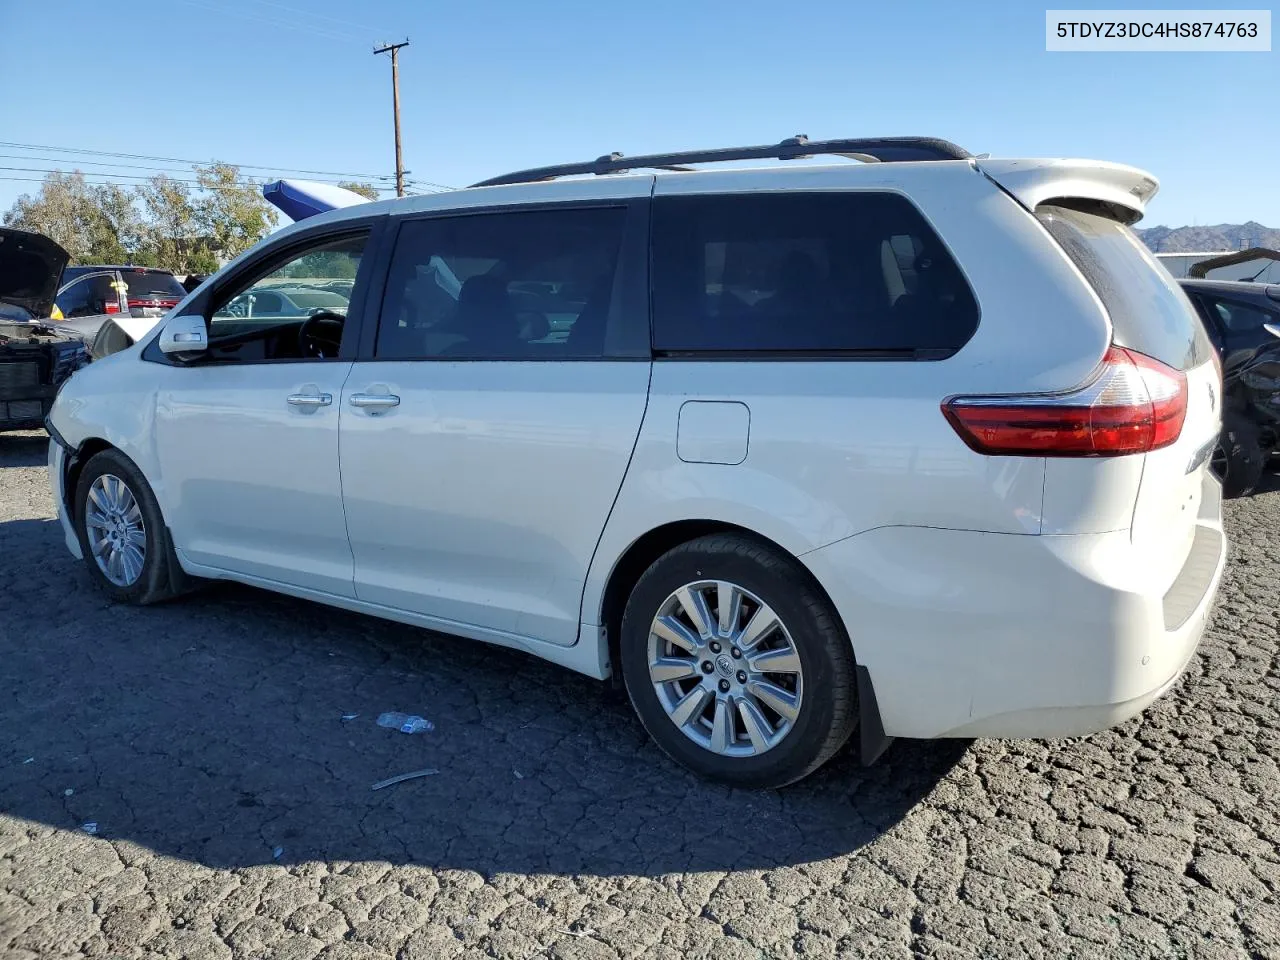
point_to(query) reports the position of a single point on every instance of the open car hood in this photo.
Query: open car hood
(30, 267)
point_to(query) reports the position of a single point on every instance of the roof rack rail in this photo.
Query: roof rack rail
(873, 149)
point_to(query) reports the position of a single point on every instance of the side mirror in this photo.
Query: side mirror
(184, 334)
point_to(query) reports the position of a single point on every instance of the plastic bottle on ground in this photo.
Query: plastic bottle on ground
(405, 723)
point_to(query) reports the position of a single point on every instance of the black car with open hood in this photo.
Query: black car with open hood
(35, 358)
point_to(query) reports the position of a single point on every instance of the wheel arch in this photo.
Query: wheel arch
(74, 466)
(641, 553)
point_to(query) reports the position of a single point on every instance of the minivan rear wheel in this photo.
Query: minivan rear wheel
(736, 663)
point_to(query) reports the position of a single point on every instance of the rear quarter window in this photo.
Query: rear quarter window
(1149, 311)
(805, 273)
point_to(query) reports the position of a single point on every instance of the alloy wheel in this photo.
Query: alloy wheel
(725, 668)
(116, 532)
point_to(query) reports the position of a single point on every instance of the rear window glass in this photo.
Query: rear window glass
(1149, 312)
(149, 284)
(805, 273)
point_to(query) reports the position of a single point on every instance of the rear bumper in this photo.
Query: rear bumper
(967, 634)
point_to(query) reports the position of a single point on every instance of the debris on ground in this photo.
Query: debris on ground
(67, 792)
(277, 853)
(348, 717)
(519, 775)
(29, 760)
(403, 777)
(90, 828)
(405, 722)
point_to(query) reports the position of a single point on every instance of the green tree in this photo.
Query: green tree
(95, 223)
(331, 264)
(170, 237)
(117, 230)
(163, 222)
(230, 214)
(364, 189)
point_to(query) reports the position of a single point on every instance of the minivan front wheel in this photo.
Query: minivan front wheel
(736, 664)
(121, 531)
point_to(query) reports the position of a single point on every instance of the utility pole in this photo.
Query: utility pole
(393, 49)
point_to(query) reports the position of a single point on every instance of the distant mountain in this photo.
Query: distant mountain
(1223, 236)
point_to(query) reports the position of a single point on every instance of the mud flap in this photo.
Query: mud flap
(873, 740)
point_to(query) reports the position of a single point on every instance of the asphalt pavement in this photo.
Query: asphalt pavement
(180, 781)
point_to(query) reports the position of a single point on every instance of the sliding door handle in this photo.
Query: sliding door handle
(310, 399)
(374, 402)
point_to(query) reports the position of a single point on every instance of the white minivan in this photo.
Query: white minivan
(914, 445)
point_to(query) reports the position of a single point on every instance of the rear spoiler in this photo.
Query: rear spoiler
(1033, 182)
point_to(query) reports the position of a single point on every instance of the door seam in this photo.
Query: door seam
(582, 596)
(342, 484)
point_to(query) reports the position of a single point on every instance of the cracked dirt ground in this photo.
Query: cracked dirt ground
(205, 735)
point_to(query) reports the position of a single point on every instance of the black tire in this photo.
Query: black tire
(828, 710)
(160, 566)
(1240, 460)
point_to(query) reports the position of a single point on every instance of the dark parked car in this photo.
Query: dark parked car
(89, 290)
(34, 356)
(1243, 321)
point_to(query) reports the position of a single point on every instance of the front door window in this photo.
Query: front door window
(295, 311)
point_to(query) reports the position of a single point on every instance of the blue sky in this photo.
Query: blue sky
(492, 86)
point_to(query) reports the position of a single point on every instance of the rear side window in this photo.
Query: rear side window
(528, 285)
(805, 274)
(1149, 312)
(90, 296)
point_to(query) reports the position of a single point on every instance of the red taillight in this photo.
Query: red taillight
(110, 307)
(1132, 404)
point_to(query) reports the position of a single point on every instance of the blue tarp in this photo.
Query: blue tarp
(300, 199)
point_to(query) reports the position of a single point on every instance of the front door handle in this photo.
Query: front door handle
(374, 402)
(310, 399)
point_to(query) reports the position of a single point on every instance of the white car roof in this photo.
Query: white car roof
(1031, 181)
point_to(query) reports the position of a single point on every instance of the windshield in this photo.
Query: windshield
(152, 283)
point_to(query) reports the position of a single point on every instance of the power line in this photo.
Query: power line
(78, 161)
(146, 177)
(106, 183)
(94, 163)
(318, 16)
(438, 187)
(119, 183)
(282, 23)
(143, 156)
